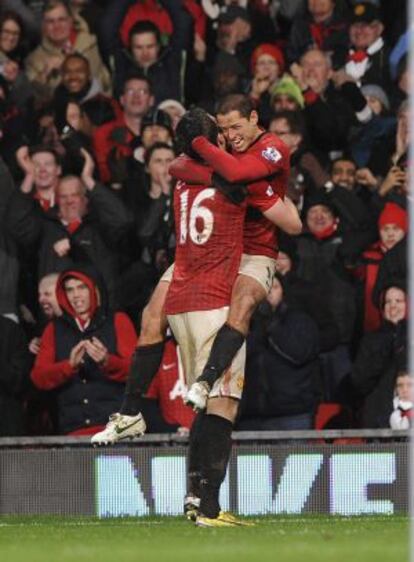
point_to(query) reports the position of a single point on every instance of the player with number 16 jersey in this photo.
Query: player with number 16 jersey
(209, 244)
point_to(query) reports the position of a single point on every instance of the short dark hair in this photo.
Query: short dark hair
(235, 102)
(38, 148)
(294, 120)
(144, 26)
(157, 146)
(344, 158)
(137, 75)
(77, 55)
(193, 123)
(52, 4)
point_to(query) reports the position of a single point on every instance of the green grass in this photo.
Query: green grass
(276, 539)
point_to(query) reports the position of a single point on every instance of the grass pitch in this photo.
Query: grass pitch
(280, 539)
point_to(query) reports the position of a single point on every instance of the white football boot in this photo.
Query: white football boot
(120, 427)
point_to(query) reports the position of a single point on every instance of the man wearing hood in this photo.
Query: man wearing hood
(84, 355)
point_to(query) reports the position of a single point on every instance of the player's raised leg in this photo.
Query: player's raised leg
(247, 293)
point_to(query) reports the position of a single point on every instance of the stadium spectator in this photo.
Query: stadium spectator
(116, 140)
(267, 65)
(324, 27)
(41, 166)
(319, 261)
(392, 228)
(379, 358)
(334, 103)
(77, 81)
(402, 416)
(377, 130)
(286, 95)
(86, 226)
(306, 171)
(60, 38)
(84, 354)
(368, 57)
(48, 305)
(282, 367)
(164, 66)
(12, 51)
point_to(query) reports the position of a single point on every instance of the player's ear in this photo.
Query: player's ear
(254, 117)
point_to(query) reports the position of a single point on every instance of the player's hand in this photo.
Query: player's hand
(235, 192)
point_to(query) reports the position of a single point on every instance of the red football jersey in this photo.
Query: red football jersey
(260, 235)
(266, 159)
(209, 244)
(209, 239)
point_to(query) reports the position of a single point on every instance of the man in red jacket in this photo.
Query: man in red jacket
(84, 355)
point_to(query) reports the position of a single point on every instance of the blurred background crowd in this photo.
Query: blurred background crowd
(90, 94)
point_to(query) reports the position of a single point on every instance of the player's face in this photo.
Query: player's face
(239, 131)
(78, 296)
(394, 305)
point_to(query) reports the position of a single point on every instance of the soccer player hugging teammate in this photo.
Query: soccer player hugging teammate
(209, 248)
(261, 160)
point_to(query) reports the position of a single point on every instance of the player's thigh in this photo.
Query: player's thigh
(186, 349)
(251, 287)
(195, 333)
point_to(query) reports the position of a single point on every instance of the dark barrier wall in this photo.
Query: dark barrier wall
(262, 479)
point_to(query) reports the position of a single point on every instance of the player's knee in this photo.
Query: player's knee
(241, 309)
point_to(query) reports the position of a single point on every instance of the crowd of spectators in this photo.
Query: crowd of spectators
(90, 94)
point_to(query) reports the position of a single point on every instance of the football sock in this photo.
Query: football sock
(216, 437)
(226, 344)
(145, 363)
(196, 444)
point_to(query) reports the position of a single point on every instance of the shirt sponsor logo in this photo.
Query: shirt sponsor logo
(270, 153)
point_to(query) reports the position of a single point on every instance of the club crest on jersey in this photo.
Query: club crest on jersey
(271, 154)
(269, 191)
